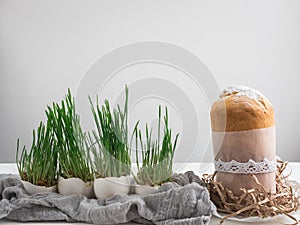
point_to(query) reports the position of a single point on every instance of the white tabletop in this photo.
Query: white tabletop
(198, 168)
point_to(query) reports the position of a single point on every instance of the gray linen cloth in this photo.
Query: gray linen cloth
(183, 201)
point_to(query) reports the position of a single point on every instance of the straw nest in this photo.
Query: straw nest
(257, 201)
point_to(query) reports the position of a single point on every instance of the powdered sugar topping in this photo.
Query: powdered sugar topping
(242, 91)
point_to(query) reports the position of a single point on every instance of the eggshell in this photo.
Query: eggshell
(75, 186)
(109, 186)
(145, 189)
(32, 189)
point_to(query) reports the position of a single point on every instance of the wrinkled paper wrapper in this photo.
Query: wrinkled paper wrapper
(257, 144)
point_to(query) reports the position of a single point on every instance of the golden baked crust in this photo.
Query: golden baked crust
(241, 111)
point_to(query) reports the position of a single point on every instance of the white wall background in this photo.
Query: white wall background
(47, 46)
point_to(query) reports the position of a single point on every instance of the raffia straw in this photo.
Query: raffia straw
(256, 201)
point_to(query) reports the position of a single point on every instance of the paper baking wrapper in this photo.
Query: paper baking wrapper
(241, 146)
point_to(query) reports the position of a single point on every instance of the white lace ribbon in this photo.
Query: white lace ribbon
(266, 166)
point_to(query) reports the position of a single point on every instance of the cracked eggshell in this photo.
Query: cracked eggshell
(145, 189)
(109, 186)
(32, 189)
(75, 186)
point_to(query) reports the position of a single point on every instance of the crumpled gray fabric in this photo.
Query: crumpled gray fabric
(183, 201)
